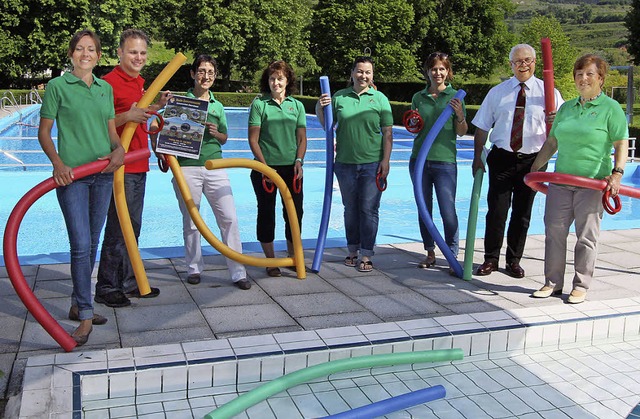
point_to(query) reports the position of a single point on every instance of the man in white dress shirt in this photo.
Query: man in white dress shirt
(515, 110)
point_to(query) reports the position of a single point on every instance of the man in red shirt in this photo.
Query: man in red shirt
(116, 279)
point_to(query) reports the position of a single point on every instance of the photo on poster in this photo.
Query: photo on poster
(184, 125)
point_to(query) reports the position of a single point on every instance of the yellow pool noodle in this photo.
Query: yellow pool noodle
(118, 177)
(297, 260)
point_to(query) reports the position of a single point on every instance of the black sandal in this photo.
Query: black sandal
(365, 266)
(350, 261)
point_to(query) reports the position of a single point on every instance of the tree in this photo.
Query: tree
(564, 55)
(344, 29)
(632, 22)
(243, 35)
(10, 45)
(472, 32)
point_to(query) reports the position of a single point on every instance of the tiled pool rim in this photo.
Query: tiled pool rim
(62, 385)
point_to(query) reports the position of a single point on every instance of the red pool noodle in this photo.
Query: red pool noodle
(535, 180)
(547, 78)
(10, 251)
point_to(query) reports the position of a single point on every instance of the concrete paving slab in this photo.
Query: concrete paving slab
(293, 286)
(153, 317)
(11, 334)
(338, 320)
(369, 285)
(401, 306)
(12, 306)
(164, 336)
(206, 297)
(317, 304)
(6, 287)
(243, 318)
(53, 272)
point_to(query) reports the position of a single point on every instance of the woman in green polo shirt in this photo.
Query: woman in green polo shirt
(363, 148)
(278, 138)
(82, 107)
(440, 170)
(583, 133)
(213, 184)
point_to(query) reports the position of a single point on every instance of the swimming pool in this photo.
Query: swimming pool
(43, 238)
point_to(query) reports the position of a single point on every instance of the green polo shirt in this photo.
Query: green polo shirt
(360, 119)
(82, 115)
(585, 136)
(278, 124)
(210, 148)
(430, 108)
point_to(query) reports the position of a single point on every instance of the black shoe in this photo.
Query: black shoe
(486, 268)
(515, 270)
(243, 284)
(135, 293)
(193, 279)
(113, 299)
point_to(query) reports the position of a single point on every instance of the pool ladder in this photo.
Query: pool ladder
(8, 101)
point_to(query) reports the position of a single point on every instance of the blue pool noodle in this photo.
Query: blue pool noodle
(417, 186)
(328, 181)
(393, 404)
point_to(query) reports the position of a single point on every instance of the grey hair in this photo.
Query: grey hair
(522, 46)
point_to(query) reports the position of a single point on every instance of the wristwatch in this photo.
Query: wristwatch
(300, 160)
(617, 170)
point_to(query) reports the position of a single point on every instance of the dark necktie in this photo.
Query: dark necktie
(518, 120)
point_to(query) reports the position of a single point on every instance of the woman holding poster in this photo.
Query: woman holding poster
(214, 184)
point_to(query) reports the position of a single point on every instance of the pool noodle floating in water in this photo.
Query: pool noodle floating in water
(297, 260)
(393, 404)
(118, 177)
(255, 396)
(328, 182)
(417, 185)
(33, 305)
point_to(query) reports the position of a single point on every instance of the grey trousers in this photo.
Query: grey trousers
(564, 205)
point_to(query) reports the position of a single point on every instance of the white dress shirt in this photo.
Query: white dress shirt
(498, 108)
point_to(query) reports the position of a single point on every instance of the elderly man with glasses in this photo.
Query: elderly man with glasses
(514, 112)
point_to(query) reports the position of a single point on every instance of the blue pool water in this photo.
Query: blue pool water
(43, 239)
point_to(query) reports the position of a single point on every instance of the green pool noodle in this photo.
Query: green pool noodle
(255, 396)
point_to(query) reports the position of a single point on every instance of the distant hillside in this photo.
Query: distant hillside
(591, 25)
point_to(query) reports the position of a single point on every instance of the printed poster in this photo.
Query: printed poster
(184, 125)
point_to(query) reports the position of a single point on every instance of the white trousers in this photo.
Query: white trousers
(564, 205)
(217, 189)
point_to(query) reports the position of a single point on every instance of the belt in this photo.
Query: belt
(517, 154)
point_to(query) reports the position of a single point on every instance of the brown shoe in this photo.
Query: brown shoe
(546, 292)
(576, 297)
(274, 271)
(97, 319)
(515, 270)
(486, 268)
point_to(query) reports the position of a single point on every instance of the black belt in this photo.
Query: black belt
(516, 154)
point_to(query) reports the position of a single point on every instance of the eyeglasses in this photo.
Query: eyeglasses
(437, 55)
(209, 73)
(526, 61)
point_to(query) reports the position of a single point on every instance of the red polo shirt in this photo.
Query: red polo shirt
(126, 91)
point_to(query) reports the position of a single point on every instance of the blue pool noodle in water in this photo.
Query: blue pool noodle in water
(417, 186)
(393, 404)
(328, 182)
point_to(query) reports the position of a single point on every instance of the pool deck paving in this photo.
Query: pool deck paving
(337, 296)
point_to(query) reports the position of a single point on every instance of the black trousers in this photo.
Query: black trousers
(266, 225)
(508, 190)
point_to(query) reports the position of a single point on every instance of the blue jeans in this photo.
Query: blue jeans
(115, 272)
(84, 204)
(361, 200)
(443, 177)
